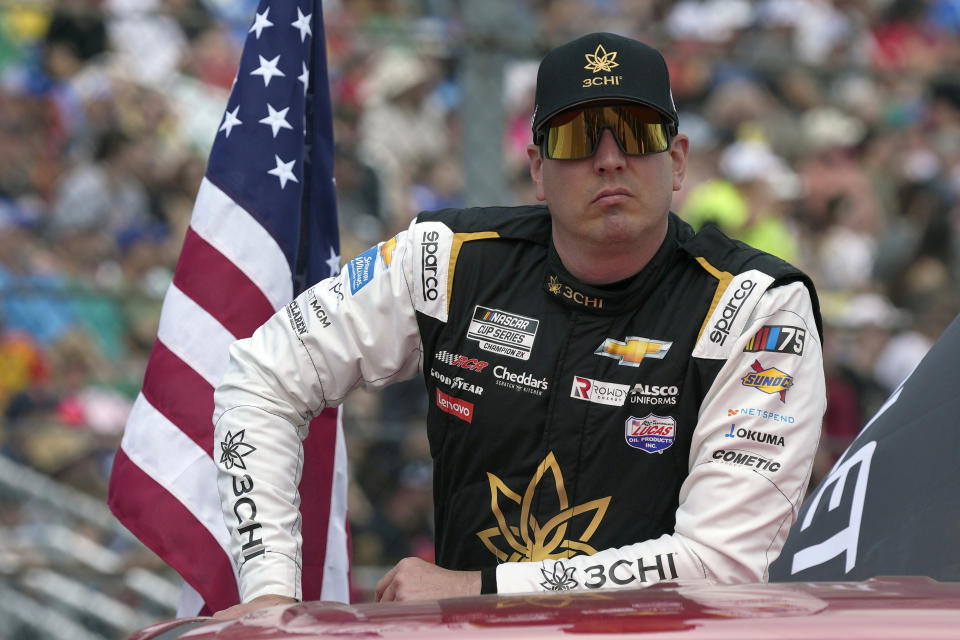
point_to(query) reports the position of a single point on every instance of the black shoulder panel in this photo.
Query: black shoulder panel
(530, 223)
(735, 257)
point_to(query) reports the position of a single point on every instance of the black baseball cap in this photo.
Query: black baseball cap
(602, 66)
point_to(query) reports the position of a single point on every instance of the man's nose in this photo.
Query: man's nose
(608, 156)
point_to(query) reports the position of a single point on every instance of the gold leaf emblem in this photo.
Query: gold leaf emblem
(600, 60)
(554, 285)
(527, 540)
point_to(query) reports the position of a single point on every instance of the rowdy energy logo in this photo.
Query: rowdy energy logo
(599, 392)
(768, 380)
(501, 332)
(651, 433)
(632, 352)
(777, 338)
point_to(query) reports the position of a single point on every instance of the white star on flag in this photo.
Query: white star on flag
(283, 171)
(268, 69)
(303, 24)
(276, 119)
(333, 262)
(261, 22)
(230, 120)
(304, 77)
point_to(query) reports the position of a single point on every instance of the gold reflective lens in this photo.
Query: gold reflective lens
(575, 134)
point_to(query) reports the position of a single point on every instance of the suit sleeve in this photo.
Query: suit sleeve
(751, 456)
(357, 328)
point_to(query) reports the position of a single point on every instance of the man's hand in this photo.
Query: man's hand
(259, 602)
(415, 579)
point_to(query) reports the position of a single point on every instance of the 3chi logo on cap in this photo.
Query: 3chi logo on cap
(600, 60)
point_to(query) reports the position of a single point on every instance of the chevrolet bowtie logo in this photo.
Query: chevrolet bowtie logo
(600, 60)
(634, 350)
(527, 539)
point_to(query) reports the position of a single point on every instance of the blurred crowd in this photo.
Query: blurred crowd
(826, 132)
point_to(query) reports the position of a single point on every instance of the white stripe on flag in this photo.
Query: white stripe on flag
(177, 464)
(194, 336)
(336, 566)
(238, 236)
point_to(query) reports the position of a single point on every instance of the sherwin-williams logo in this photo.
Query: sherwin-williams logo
(600, 60)
(768, 380)
(651, 433)
(632, 352)
(781, 339)
(599, 391)
(501, 332)
(525, 538)
(558, 288)
(361, 269)
(455, 406)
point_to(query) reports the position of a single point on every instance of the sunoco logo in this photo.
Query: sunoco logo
(428, 264)
(721, 329)
(768, 380)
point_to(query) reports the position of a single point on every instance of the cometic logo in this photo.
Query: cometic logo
(599, 392)
(746, 459)
(428, 264)
(455, 406)
(721, 329)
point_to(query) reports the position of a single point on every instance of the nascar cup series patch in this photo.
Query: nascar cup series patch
(653, 434)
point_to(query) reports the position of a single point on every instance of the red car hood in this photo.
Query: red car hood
(901, 607)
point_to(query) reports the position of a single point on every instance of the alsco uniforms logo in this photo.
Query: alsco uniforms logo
(768, 380)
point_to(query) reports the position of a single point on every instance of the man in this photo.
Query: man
(614, 400)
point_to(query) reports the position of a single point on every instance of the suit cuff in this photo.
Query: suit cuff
(488, 580)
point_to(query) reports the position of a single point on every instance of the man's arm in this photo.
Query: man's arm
(750, 462)
(356, 328)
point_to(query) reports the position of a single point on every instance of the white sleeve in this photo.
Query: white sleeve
(358, 328)
(750, 462)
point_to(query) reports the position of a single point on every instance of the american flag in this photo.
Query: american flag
(264, 227)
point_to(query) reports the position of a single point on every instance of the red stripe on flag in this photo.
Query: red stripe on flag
(170, 530)
(180, 394)
(211, 280)
(316, 486)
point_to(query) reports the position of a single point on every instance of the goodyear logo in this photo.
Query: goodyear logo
(768, 380)
(634, 350)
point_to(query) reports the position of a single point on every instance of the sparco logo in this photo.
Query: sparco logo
(653, 394)
(428, 264)
(721, 329)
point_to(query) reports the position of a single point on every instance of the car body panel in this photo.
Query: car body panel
(889, 607)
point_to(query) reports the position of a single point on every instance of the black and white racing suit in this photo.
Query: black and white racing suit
(660, 428)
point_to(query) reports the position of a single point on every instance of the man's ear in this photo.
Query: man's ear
(536, 169)
(679, 147)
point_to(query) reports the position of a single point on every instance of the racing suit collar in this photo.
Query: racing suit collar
(615, 297)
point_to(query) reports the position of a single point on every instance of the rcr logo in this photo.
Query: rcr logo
(428, 264)
(722, 328)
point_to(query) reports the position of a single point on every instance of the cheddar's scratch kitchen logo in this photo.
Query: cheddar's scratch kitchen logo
(527, 539)
(768, 380)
